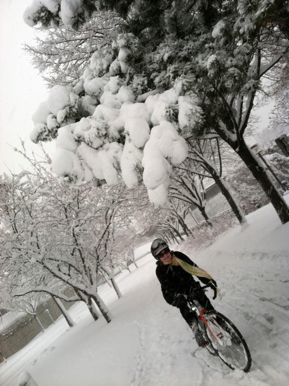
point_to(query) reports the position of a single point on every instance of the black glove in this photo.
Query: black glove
(213, 285)
(179, 300)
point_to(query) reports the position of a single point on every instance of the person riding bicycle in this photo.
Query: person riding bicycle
(175, 272)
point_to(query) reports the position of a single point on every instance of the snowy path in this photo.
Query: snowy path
(148, 344)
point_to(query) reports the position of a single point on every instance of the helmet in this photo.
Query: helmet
(157, 246)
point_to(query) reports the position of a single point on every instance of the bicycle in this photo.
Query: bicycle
(223, 337)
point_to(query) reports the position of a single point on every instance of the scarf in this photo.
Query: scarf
(199, 272)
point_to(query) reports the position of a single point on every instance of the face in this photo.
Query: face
(166, 257)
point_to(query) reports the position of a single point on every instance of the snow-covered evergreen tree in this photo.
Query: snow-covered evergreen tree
(209, 57)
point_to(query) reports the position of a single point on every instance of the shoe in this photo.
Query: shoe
(199, 335)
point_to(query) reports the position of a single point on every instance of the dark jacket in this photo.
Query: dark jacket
(175, 280)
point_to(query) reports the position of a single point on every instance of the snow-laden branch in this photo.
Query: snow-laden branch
(48, 292)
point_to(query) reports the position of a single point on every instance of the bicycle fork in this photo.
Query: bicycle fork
(216, 334)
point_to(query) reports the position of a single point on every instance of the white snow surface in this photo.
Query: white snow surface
(148, 343)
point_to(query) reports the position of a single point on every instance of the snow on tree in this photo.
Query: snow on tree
(58, 236)
(277, 108)
(221, 51)
(61, 54)
(51, 12)
(121, 137)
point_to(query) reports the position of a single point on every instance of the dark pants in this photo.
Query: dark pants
(189, 315)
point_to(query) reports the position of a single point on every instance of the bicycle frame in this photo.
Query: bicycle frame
(202, 313)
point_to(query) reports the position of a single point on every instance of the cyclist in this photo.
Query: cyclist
(175, 272)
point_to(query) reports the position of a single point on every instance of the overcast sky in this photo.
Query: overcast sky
(21, 88)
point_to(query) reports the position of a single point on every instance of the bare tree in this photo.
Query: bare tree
(204, 162)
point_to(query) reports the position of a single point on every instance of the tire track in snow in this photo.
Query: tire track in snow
(158, 360)
(139, 372)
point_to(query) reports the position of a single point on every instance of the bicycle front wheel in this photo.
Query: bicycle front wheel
(227, 341)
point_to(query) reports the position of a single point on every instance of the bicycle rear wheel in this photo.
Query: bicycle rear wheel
(227, 341)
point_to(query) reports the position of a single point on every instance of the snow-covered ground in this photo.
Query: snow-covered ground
(148, 344)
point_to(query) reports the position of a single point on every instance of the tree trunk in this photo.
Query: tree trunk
(264, 180)
(133, 257)
(183, 225)
(39, 322)
(226, 193)
(204, 214)
(91, 308)
(116, 288)
(171, 235)
(175, 230)
(64, 312)
(108, 276)
(102, 307)
(225, 190)
(87, 300)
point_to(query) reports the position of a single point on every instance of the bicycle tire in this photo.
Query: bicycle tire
(233, 348)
